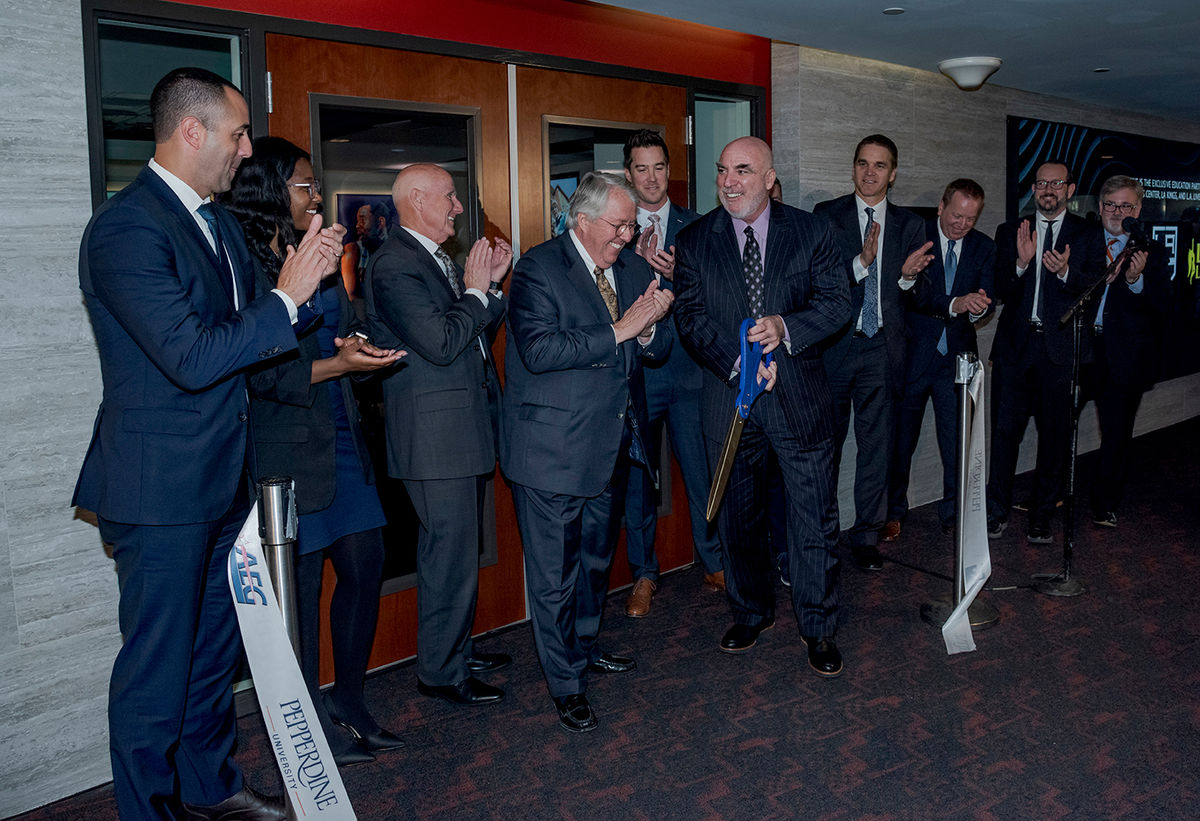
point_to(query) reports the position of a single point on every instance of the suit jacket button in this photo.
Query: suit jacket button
(242, 416)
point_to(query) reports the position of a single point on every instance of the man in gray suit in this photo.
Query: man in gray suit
(442, 411)
(582, 316)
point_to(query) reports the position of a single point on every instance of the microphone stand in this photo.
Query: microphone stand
(1063, 583)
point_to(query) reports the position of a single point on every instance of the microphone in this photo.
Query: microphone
(1135, 229)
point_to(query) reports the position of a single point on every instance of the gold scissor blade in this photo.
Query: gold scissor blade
(724, 466)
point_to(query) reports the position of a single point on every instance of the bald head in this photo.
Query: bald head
(745, 174)
(426, 201)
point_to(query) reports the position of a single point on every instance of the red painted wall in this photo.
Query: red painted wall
(563, 28)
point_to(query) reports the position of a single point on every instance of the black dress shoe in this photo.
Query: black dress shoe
(377, 740)
(996, 527)
(741, 637)
(246, 805)
(575, 714)
(608, 663)
(468, 691)
(487, 662)
(356, 753)
(823, 656)
(867, 556)
(1039, 533)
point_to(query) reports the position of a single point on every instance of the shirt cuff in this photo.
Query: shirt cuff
(906, 284)
(860, 270)
(1137, 286)
(478, 294)
(287, 303)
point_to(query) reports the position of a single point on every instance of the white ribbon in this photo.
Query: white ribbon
(976, 558)
(314, 786)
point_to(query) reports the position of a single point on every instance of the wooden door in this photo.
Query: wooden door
(300, 67)
(544, 95)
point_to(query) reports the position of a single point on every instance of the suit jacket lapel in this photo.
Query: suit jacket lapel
(729, 261)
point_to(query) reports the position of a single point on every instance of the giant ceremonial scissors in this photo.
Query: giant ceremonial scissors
(749, 388)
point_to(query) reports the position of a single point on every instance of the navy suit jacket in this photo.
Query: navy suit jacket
(903, 233)
(803, 283)
(440, 423)
(170, 438)
(1087, 263)
(930, 303)
(1133, 323)
(569, 386)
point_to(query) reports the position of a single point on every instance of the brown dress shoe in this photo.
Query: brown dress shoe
(639, 598)
(890, 532)
(715, 581)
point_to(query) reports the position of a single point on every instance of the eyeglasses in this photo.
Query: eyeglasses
(621, 228)
(313, 188)
(1125, 208)
(1055, 184)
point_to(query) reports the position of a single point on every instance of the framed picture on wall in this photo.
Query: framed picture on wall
(562, 187)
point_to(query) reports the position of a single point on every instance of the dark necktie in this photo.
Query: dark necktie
(870, 309)
(1047, 245)
(1109, 251)
(606, 293)
(753, 267)
(228, 281)
(951, 266)
(448, 269)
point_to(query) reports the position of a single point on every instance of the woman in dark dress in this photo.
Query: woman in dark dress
(305, 424)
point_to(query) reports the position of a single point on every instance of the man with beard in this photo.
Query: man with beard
(1042, 265)
(753, 257)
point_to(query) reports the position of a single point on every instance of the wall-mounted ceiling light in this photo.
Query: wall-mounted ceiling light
(1101, 70)
(969, 73)
(893, 10)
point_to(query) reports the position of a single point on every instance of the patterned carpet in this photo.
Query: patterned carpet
(1084, 707)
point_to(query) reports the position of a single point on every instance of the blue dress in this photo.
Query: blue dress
(355, 505)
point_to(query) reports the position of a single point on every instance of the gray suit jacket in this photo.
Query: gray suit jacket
(440, 424)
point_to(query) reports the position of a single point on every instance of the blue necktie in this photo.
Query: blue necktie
(227, 280)
(870, 309)
(951, 266)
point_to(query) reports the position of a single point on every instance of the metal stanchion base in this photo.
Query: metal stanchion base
(1057, 584)
(981, 614)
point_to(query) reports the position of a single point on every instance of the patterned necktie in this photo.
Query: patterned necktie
(1109, 251)
(606, 292)
(448, 268)
(753, 267)
(870, 309)
(951, 266)
(230, 281)
(656, 226)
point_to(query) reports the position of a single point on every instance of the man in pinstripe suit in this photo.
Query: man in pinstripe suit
(753, 257)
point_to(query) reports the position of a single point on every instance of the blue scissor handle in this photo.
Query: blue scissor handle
(749, 385)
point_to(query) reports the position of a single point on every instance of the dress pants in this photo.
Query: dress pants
(569, 545)
(1117, 407)
(450, 512)
(812, 521)
(677, 409)
(1033, 385)
(172, 724)
(862, 382)
(935, 382)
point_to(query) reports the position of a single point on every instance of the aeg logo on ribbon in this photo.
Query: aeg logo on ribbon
(248, 588)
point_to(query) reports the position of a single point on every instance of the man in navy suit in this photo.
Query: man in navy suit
(754, 258)
(582, 315)
(442, 408)
(880, 243)
(168, 280)
(1126, 339)
(945, 301)
(672, 386)
(1043, 264)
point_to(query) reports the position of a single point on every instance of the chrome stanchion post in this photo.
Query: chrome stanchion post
(981, 614)
(277, 525)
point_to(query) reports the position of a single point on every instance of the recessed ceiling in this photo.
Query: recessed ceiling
(1048, 46)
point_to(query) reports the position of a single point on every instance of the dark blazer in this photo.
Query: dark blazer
(903, 233)
(291, 419)
(1086, 264)
(440, 422)
(1133, 324)
(678, 369)
(930, 304)
(568, 384)
(803, 282)
(170, 439)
